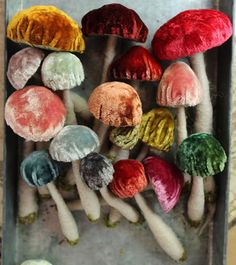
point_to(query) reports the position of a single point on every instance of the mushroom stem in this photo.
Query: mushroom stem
(102, 130)
(68, 181)
(88, 197)
(76, 205)
(114, 217)
(81, 106)
(66, 219)
(122, 154)
(44, 192)
(125, 209)
(70, 117)
(27, 204)
(204, 111)
(143, 153)
(164, 235)
(113, 152)
(181, 125)
(196, 201)
(210, 189)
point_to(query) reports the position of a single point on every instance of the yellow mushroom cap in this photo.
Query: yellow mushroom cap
(46, 27)
(157, 129)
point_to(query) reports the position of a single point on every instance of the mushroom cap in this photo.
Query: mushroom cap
(157, 129)
(166, 179)
(23, 65)
(96, 170)
(73, 142)
(201, 155)
(179, 86)
(129, 178)
(35, 113)
(190, 32)
(136, 64)
(125, 137)
(36, 262)
(116, 104)
(62, 70)
(46, 27)
(115, 19)
(38, 169)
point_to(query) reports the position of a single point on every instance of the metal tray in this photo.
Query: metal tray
(126, 244)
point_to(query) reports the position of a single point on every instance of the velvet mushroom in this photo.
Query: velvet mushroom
(23, 65)
(128, 181)
(38, 170)
(71, 144)
(200, 155)
(156, 131)
(46, 27)
(166, 179)
(97, 171)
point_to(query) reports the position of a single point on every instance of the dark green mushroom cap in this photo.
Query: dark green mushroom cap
(125, 137)
(38, 169)
(201, 155)
(96, 170)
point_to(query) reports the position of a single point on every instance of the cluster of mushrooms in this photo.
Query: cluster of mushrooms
(45, 115)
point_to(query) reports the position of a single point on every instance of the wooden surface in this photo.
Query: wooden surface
(232, 199)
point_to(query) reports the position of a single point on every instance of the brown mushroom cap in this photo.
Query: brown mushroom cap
(115, 19)
(179, 86)
(116, 104)
(190, 32)
(136, 64)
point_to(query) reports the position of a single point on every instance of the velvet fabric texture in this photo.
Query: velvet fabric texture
(129, 178)
(46, 27)
(35, 113)
(136, 64)
(166, 179)
(115, 19)
(190, 32)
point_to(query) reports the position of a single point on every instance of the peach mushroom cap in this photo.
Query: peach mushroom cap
(116, 104)
(179, 86)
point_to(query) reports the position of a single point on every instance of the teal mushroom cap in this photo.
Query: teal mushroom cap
(73, 142)
(38, 169)
(201, 154)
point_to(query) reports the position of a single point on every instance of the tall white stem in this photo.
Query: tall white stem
(70, 117)
(124, 208)
(121, 155)
(27, 203)
(76, 205)
(181, 125)
(66, 219)
(196, 201)
(88, 197)
(114, 217)
(164, 235)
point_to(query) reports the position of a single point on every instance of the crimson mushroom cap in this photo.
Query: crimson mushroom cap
(128, 179)
(115, 19)
(136, 64)
(179, 86)
(190, 32)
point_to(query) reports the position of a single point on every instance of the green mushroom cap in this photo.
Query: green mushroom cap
(125, 137)
(201, 155)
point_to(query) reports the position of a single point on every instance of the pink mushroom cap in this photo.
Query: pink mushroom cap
(35, 113)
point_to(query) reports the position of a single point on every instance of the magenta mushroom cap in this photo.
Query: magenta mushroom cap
(115, 19)
(136, 64)
(190, 32)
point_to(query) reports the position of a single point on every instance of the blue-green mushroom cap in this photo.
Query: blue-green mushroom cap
(62, 70)
(73, 143)
(201, 154)
(38, 169)
(96, 170)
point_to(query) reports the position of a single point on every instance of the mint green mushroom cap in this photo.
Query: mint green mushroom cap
(201, 154)
(73, 142)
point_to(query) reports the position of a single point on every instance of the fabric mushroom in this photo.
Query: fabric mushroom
(46, 27)
(23, 65)
(97, 171)
(38, 170)
(200, 155)
(71, 144)
(166, 179)
(128, 181)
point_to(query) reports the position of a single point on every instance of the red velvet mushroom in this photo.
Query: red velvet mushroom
(128, 181)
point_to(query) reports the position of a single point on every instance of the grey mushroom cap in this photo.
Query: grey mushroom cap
(73, 142)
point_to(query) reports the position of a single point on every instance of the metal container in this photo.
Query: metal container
(126, 244)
